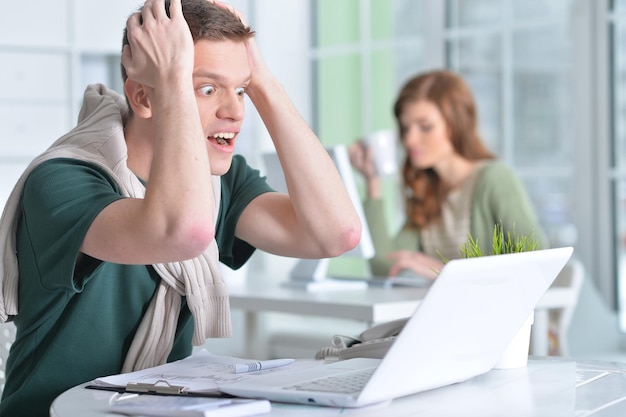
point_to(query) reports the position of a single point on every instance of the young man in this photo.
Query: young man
(117, 226)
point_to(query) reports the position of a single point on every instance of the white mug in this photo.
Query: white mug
(384, 146)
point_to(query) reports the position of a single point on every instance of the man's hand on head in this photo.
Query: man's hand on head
(159, 46)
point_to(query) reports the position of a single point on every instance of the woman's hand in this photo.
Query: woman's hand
(417, 262)
(362, 160)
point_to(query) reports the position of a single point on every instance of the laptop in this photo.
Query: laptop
(459, 330)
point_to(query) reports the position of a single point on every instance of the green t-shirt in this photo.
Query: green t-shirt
(76, 322)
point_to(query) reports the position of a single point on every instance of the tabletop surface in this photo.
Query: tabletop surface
(547, 387)
(376, 295)
(375, 304)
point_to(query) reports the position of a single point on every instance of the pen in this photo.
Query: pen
(257, 366)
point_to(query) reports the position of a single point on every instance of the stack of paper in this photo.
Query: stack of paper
(202, 373)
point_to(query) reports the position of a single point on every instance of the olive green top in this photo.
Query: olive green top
(498, 196)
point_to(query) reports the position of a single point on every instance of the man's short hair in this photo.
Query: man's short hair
(206, 21)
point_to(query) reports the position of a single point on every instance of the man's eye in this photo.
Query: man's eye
(207, 90)
(240, 91)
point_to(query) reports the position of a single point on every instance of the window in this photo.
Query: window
(616, 22)
(362, 51)
(515, 54)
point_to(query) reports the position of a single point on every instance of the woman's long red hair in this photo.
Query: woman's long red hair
(424, 190)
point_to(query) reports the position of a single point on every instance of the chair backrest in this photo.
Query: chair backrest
(7, 336)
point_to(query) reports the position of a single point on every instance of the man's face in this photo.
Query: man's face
(220, 77)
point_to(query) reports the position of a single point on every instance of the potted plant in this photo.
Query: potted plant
(516, 354)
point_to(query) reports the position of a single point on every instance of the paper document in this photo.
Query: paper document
(185, 406)
(200, 373)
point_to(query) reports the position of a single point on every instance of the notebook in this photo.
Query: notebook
(459, 330)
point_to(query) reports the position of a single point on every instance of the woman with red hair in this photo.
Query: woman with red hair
(453, 185)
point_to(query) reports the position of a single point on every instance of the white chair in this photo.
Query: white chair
(569, 282)
(7, 336)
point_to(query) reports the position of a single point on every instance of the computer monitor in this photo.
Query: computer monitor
(312, 274)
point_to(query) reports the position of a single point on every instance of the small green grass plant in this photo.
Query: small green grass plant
(509, 242)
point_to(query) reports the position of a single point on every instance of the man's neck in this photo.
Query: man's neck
(139, 146)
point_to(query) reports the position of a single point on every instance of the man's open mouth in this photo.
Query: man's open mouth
(223, 138)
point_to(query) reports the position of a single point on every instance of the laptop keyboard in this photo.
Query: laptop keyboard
(352, 382)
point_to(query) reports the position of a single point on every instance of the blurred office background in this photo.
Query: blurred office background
(549, 78)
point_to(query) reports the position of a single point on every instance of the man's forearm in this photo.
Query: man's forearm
(316, 189)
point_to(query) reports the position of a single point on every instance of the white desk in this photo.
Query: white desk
(373, 305)
(548, 387)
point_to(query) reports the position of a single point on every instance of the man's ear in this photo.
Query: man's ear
(138, 98)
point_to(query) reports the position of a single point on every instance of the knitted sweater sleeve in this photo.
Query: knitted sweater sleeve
(383, 241)
(500, 197)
